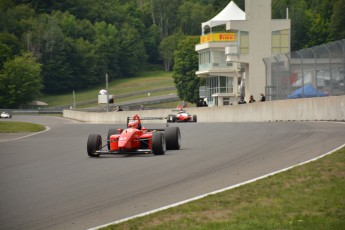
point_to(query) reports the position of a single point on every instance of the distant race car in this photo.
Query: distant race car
(5, 115)
(181, 116)
(135, 139)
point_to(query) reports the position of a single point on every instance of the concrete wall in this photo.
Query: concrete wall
(306, 109)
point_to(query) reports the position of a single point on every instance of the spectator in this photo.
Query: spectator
(199, 103)
(204, 103)
(251, 99)
(262, 97)
(242, 101)
(118, 108)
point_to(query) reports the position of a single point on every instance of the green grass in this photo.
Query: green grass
(310, 196)
(118, 101)
(143, 81)
(19, 127)
(166, 105)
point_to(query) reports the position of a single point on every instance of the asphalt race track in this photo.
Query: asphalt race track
(48, 181)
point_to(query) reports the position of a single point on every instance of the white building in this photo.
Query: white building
(232, 47)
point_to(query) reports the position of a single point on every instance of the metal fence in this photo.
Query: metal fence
(311, 72)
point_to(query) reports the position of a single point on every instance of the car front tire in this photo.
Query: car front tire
(94, 143)
(158, 143)
(194, 118)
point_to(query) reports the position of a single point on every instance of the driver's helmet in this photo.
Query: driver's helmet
(134, 125)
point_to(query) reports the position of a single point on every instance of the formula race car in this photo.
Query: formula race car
(135, 139)
(181, 116)
(5, 115)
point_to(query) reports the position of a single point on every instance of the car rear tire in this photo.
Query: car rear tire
(173, 138)
(194, 118)
(110, 132)
(158, 143)
(94, 143)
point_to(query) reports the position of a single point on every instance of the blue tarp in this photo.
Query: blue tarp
(307, 91)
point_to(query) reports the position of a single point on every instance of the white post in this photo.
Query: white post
(287, 13)
(106, 86)
(73, 99)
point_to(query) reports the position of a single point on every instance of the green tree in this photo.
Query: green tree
(164, 15)
(167, 48)
(338, 20)
(107, 50)
(151, 42)
(319, 30)
(15, 18)
(298, 25)
(132, 56)
(10, 46)
(186, 64)
(192, 15)
(20, 81)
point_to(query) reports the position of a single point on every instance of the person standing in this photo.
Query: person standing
(242, 101)
(251, 99)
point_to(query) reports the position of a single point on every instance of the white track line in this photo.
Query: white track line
(31, 134)
(214, 192)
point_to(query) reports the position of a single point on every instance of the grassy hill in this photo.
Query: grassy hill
(310, 196)
(120, 88)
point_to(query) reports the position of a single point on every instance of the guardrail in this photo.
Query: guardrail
(33, 111)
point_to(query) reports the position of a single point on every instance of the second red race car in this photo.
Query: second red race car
(182, 116)
(135, 139)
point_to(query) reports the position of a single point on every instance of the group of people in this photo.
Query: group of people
(251, 99)
(182, 105)
(201, 103)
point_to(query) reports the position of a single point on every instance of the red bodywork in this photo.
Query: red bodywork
(130, 139)
(183, 116)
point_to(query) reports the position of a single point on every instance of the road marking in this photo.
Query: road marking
(31, 134)
(214, 192)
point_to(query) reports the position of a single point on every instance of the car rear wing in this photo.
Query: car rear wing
(147, 119)
(179, 110)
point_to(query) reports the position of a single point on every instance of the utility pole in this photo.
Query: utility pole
(106, 86)
(73, 99)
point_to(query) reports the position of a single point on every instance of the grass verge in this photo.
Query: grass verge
(310, 196)
(142, 81)
(19, 127)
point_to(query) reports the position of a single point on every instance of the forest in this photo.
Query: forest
(56, 46)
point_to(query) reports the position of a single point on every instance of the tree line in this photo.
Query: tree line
(56, 46)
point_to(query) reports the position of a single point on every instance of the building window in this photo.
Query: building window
(219, 84)
(226, 101)
(204, 60)
(244, 42)
(280, 41)
(204, 57)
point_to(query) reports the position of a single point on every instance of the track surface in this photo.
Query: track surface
(48, 181)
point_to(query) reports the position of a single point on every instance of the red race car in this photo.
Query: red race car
(181, 116)
(135, 139)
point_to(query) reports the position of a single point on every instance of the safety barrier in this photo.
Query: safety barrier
(307, 109)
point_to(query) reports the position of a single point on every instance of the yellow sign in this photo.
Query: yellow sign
(218, 37)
